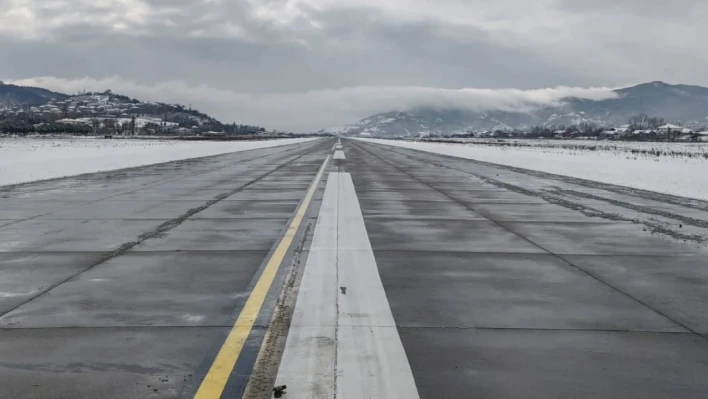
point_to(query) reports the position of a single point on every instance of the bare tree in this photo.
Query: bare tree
(132, 126)
(110, 125)
(656, 121)
(587, 128)
(639, 122)
(95, 123)
(645, 122)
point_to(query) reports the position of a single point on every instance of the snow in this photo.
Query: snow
(683, 174)
(29, 159)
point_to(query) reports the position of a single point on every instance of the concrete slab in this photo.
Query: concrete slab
(169, 194)
(533, 364)
(74, 194)
(268, 195)
(72, 235)
(673, 285)
(112, 209)
(492, 196)
(218, 235)
(464, 290)
(14, 209)
(23, 275)
(407, 195)
(532, 212)
(445, 235)
(598, 239)
(279, 185)
(281, 209)
(105, 363)
(146, 289)
(417, 210)
(364, 184)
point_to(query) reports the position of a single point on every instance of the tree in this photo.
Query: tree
(95, 124)
(587, 128)
(541, 131)
(65, 109)
(645, 122)
(655, 122)
(132, 126)
(150, 128)
(109, 125)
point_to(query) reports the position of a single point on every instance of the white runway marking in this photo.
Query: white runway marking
(339, 155)
(343, 338)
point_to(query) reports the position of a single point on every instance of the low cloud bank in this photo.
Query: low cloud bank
(313, 110)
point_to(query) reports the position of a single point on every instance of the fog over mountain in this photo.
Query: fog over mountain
(680, 103)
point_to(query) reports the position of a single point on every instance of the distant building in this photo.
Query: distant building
(669, 128)
(671, 132)
(68, 121)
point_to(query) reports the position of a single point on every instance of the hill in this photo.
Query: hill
(12, 96)
(22, 108)
(677, 103)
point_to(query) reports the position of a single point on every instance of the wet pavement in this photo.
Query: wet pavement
(502, 283)
(120, 284)
(501, 293)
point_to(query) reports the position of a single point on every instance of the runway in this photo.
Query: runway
(354, 269)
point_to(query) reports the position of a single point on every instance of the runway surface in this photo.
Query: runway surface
(357, 269)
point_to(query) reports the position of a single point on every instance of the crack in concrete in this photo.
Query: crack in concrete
(160, 230)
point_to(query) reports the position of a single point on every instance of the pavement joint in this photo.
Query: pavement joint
(588, 273)
(161, 229)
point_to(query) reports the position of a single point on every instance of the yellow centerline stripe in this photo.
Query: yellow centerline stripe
(218, 375)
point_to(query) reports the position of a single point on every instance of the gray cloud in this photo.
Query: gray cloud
(309, 111)
(330, 60)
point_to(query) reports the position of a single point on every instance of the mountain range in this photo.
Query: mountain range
(683, 104)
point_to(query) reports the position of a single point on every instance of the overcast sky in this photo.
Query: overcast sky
(307, 64)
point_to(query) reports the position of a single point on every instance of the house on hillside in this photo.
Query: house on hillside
(68, 121)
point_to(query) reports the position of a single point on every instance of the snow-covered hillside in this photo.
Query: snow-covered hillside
(682, 104)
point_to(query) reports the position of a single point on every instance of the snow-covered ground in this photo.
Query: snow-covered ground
(634, 147)
(29, 159)
(682, 175)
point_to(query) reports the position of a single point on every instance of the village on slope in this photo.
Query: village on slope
(23, 111)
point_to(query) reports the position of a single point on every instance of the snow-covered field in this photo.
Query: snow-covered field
(665, 170)
(652, 149)
(29, 159)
